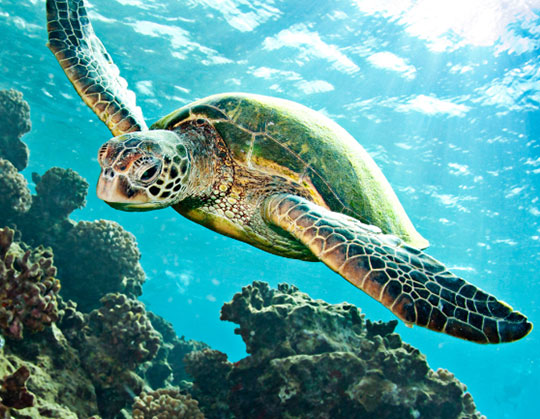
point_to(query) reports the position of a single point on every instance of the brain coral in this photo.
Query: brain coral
(28, 288)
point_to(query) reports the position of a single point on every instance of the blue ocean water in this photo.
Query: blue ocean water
(444, 95)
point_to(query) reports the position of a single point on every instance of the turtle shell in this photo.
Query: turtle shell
(278, 136)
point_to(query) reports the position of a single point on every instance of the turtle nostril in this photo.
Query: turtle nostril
(108, 173)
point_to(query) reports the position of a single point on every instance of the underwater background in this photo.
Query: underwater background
(444, 95)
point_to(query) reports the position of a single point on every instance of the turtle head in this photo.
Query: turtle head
(142, 171)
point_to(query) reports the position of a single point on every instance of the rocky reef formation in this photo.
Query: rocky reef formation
(15, 122)
(101, 250)
(104, 251)
(61, 388)
(13, 392)
(89, 349)
(15, 198)
(112, 341)
(311, 357)
(167, 368)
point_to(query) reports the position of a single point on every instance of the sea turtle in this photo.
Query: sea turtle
(278, 176)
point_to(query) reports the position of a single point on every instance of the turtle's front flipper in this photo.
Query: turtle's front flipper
(417, 288)
(90, 68)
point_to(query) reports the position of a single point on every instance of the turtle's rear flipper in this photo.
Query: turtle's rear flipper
(90, 68)
(417, 288)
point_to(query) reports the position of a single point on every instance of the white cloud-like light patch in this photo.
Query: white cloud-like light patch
(181, 280)
(136, 3)
(452, 201)
(145, 87)
(515, 191)
(310, 45)
(428, 105)
(534, 163)
(95, 16)
(392, 62)
(315, 86)
(180, 41)
(432, 106)
(519, 89)
(459, 169)
(461, 69)
(258, 12)
(273, 73)
(307, 87)
(404, 146)
(448, 25)
(531, 162)
(509, 242)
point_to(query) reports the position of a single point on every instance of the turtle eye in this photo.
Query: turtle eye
(149, 174)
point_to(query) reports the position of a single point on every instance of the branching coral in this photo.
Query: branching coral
(15, 198)
(15, 122)
(28, 288)
(166, 404)
(311, 358)
(97, 258)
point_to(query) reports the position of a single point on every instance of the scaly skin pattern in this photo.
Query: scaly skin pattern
(90, 68)
(230, 202)
(414, 286)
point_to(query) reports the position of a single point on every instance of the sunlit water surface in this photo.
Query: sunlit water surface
(444, 95)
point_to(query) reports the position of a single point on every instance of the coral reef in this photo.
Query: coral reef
(112, 341)
(59, 193)
(15, 198)
(60, 386)
(15, 122)
(13, 391)
(167, 368)
(101, 250)
(122, 326)
(28, 288)
(165, 404)
(311, 357)
(96, 258)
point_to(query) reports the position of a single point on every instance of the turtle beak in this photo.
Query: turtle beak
(116, 191)
(107, 187)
